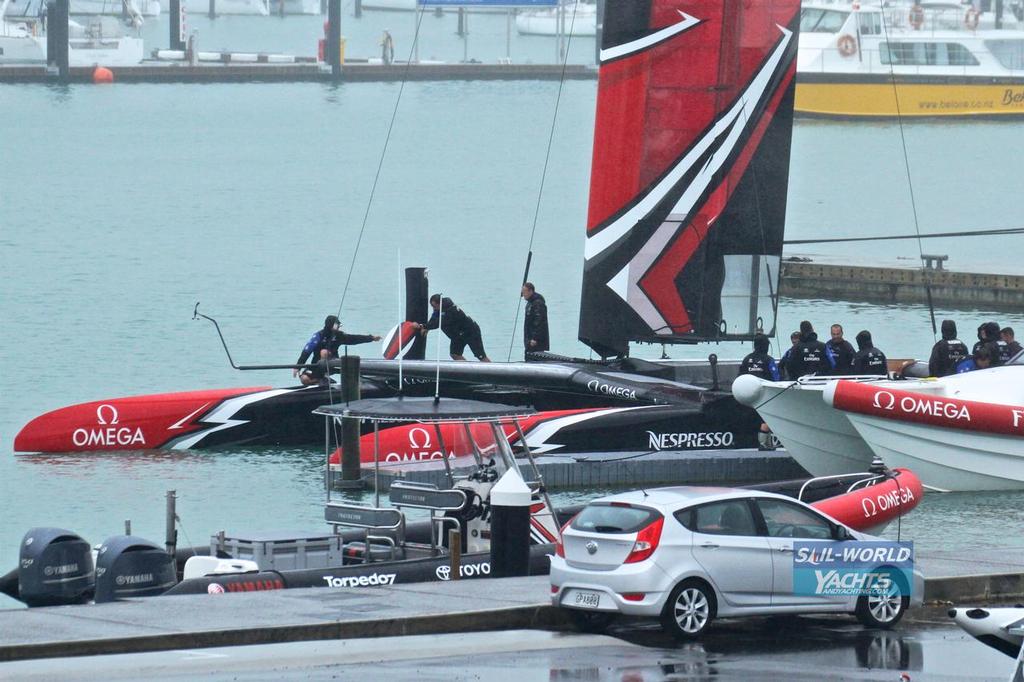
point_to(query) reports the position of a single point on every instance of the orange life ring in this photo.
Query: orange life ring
(917, 17)
(971, 18)
(847, 45)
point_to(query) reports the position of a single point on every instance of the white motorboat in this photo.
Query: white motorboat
(251, 7)
(100, 42)
(575, 18)
(32, 9)
(965, 433)
(295, 6)
(942, 60)
(821, 440)
(1000, 628)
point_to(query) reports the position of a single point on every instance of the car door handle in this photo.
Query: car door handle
(709, 545)
(785, 550)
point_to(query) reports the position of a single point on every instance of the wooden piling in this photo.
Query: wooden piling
(350, 470)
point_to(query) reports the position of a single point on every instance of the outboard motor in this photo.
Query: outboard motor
(55, 567)
(128, 566)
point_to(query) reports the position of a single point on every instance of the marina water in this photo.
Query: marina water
(123, 206)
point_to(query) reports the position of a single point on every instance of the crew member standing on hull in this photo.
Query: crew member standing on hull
(868, 360)
(1012, 346)
(947, 353)
(535, 323)
(841, 349)
(324, 345)
(761, 365)
(457, 326)
(810, 356)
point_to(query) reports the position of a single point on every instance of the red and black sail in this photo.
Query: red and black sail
(690, 170)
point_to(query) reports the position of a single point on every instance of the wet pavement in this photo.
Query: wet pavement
(801, 648)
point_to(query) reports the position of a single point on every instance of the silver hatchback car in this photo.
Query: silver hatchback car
(688, 555)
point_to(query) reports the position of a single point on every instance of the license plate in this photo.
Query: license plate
(587, 600)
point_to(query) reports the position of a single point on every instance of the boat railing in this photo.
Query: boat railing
(870, 478)
(815, 380)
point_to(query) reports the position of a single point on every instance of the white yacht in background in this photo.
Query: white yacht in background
(127, 9)
(250, 7)
(579, 18)
(295, 6)
(101, 41)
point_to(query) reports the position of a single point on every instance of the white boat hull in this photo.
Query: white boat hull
(992, 626)
(244, 7)
(295, 6)
(82, 51)
(546, 22)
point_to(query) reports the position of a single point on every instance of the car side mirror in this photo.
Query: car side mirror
(843, 533)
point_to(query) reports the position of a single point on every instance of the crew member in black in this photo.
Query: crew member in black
(988, 336)
(1012, 346)
(841, 349)
(794, 340)
(535, 323)
(810, 356)
(868, 360)
(458, 326)
(760, 363)
(324, 345)
(947, 353)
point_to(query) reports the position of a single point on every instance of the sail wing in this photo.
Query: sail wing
(690, 171)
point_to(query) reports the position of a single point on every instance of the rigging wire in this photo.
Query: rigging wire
(543, 175)
(910, 181)
(383, 154)
(930, 235)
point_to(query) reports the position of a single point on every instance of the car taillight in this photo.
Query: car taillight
(633, 596)
(646, 541)
(559, 547)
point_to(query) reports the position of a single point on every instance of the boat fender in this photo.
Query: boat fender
(971, 18)
(847, 45)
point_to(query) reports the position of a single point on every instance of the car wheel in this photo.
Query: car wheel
(690, 609)
(591, 621)
(883, 610)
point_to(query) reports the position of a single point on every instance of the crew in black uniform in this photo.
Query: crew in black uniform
(457, 326)
(868, 360)
(841, 349)
(324, 345)
(810, 356)
(947, 353)
(535, 323)
(1012, 346)
(794, 340)
(760, 363)
(988, 337)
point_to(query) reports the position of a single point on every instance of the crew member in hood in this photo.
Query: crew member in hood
(841, 349)
(457, 326)
(810, 356)
(324, 345)
(988, 336)
(761, 365)
(868, 360)
(946, 353)
(535, 323)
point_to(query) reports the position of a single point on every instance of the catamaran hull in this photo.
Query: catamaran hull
(991, 626)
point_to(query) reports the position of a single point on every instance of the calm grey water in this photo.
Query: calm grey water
(121, 207)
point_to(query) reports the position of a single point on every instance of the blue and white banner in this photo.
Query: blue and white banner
(853, 568)
(487, 3)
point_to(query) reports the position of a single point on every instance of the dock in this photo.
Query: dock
(978, 575)
(301, 70)
(618, 469)
(892, 285)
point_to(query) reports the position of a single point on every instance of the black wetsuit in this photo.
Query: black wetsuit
(1014, 348)
(330, 341)
(870, 361)
(810, 356)
(843, 352)
(761, 365)
(535, 324)
(459, 327)
(947, 353)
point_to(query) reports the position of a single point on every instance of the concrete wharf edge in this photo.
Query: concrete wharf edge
(900, 285)
(532, 611)
(303, 72)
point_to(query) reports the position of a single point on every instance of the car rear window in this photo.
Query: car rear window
(607, 517)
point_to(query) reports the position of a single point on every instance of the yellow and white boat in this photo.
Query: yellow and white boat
(860, 60)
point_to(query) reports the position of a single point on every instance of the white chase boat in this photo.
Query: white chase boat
(1000, 628)
(966, 432)
(821, 439)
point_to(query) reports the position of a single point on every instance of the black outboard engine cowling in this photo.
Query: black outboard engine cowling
(55, 567)
(128, 566)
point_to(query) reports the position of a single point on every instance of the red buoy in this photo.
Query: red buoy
(102, 74)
